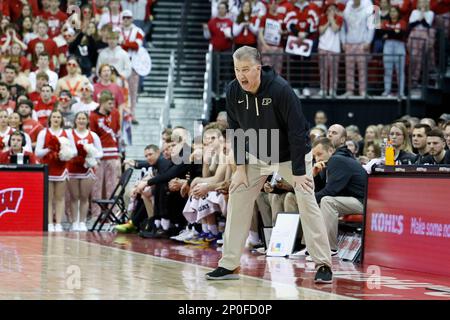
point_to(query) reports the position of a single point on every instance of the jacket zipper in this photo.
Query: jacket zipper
(257, 108)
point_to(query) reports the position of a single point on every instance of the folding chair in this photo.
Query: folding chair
(107, 206)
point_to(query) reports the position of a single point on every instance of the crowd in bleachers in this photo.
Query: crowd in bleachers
(352, 32)
(69, 82)
(186, 201)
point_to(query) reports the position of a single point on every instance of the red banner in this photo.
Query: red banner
(22, 200)
(408, 224)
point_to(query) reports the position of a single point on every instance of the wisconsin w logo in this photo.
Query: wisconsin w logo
(10, 200)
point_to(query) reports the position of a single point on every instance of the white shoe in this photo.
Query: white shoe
(251, 244)
(58, 228)
(82, 227)
(51, 227)
(321, 93)
(75, 227)
(220, 241)
(185, 235)
(306, 92)
(298, 254)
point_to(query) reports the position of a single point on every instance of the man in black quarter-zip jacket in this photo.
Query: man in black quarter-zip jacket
(259, 99)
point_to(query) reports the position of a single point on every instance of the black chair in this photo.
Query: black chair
(107, 206)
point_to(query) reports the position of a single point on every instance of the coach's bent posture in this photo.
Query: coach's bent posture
(260, 99)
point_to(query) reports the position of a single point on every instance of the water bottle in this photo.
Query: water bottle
(390, 155)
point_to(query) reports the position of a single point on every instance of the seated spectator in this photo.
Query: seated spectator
(316, 133)
(373, 151)
(372, 135)
(344, 189)
(353, 147)
(430, 122)
(29, 125)
(419, 142)
(354, 134)
(436, 146)
(5, 130)
(164, 216)
(329, 49)
(204, 201)
(337, 135)
(402, 144)
(447, 134)
(394, 53)
(143, 206)
(15, 122)
(320, 119)
(16, 150)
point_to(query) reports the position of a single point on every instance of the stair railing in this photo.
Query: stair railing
(164, 119)
(207, 86)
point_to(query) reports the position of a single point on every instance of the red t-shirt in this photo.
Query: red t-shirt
(50, 46)
(246, 37)
(115, 90)
(43, 110)
(32, 127)
(5, 157)
(216, 29)
(55, 22)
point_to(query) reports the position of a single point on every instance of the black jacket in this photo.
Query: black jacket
(275, 106)
(345, 176)
(167, 170)
(405, 157)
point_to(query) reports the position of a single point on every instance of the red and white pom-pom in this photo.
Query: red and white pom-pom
(66, 152)
(91, 157)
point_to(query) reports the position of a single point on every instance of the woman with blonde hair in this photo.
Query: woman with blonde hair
(372, 135)
(399, 137)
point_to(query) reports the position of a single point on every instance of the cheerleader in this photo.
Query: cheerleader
(55, 146)
(81, 169)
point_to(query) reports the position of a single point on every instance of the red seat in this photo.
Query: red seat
(353, 218)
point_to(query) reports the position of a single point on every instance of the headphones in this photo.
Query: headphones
(24, 140)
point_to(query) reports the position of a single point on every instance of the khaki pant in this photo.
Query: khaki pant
(240, 210)
(331, 208)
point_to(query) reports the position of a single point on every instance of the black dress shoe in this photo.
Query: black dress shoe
(134, 121)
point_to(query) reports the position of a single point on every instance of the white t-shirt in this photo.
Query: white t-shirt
(83, 107)
(330, 41)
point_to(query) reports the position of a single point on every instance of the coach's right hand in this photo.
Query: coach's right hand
(239, 178)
